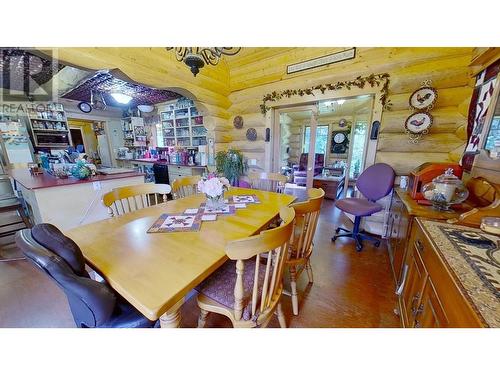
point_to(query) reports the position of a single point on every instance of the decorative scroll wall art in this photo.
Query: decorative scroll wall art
(373, 80)
(348, 54)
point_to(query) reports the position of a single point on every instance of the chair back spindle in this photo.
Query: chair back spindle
(273, 182)
(185, 186)
(127, 199)
(267, 282)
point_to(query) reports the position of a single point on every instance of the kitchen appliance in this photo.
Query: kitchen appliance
(426, 173)
(202, 155)
(103, 150)
(55, 139)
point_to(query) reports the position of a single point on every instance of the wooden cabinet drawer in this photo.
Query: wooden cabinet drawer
(178, 171)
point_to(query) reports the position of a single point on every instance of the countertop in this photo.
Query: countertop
(46, 180)
(476, 266)
(152, 161)
(415, 209)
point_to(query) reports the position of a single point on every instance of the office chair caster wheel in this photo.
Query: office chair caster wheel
(334, 238)
(377, 244)
(359, 247)
(337, 230)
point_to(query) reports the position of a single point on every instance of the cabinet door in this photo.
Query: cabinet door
(430, 312)
(412, 292)
(404, 225)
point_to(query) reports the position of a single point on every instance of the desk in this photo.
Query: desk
(155, 271)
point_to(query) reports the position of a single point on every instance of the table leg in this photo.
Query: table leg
(172, 318)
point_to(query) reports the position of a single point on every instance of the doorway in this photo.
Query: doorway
(77, 139)
(324, 144)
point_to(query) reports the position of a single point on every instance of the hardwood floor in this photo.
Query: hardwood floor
(350, 289)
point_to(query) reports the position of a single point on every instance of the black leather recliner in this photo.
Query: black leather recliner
(92, 304)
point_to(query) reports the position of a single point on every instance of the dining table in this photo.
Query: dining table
(155, 271)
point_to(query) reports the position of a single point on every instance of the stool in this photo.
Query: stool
(12, 205)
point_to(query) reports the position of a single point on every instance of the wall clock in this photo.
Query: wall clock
(340, 142)
(238, 122)
(418, 123)
(423, 98)
(84, 107)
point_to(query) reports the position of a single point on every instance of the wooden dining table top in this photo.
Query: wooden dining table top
(153, 271)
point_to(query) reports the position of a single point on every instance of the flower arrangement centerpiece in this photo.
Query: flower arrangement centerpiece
(213, 187)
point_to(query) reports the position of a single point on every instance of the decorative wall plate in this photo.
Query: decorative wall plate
(418, 122)
(251, 134)
(423, 98)
(238, 122)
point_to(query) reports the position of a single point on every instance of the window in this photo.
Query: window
(321, 139)
(358, 149)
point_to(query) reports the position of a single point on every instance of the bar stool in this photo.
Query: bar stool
(10, 228)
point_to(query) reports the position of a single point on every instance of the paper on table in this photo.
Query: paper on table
(209, 218)
(191, 211)
(240, 205)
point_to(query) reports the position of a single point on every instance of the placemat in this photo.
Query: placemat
(227, 209)
(176, 223)
(243, 199)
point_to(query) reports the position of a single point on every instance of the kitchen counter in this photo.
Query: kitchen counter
(46, 180)
(415, 209)
(153, 161)
(68, 202)
(475, 266)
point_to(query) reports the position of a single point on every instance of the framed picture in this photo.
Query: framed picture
(418, 122)
(423, 98)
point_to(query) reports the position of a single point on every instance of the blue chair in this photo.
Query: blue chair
(374, 183)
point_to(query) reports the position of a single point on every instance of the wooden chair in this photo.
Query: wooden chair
(274, 182)
(130, 198)
(248, 288)
(301, 247)
(185, 186)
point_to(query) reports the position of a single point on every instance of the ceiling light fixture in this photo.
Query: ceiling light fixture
(121, 98)
(197, 57)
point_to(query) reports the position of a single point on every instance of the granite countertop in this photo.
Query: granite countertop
(46, 180)
(475, 265)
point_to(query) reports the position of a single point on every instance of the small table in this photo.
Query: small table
(155, 271)
(328, 184)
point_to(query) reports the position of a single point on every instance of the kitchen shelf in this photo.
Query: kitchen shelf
(50, 130)
(47, 119)
(175, 118)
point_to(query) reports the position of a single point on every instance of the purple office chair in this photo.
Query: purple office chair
(374, 183)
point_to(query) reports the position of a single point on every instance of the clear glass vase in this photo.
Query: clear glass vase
(215, 203)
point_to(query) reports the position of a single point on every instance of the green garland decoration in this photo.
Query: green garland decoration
(374, 80)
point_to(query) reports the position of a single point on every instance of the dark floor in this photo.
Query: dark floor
(351, 289)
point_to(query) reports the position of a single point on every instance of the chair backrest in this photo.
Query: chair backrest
(185, 186)
(268, 272)
(130, 198)
(319, 160)
(376, 181)
(306, 220)
(92, 303)
(274, 182)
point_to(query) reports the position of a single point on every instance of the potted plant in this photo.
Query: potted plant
(230, 164)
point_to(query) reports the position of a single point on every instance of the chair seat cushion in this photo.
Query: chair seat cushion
(220, 285)
(126, 316)
(358, 206)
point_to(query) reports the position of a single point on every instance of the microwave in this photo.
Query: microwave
(52, 139)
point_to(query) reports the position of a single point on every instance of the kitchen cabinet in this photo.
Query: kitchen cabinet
(179, 171)
(430, 296)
